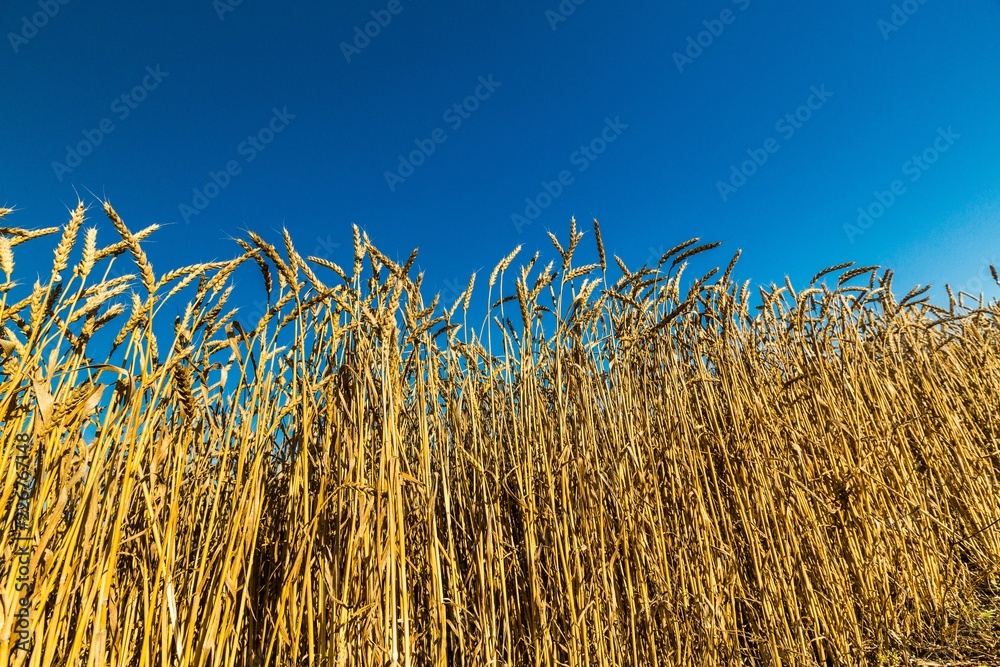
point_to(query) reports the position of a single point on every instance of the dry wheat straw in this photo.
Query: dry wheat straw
(664, 471)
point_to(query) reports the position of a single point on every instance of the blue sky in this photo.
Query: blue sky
(763, 125)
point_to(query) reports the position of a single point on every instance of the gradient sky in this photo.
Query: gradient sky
(892, 90)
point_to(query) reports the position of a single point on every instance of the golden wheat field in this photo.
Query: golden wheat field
(645, 469)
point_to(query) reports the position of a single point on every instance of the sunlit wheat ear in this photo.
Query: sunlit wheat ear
(676, 249)
(359, 252)
(381, 260)
(223, 272)
(104, 318)
(94, 302)
(22, 235)
(89, 258)
(265, 271)
(286, 276)
(691, 252)
(15, 234)
(468, 292)
(68, 240)
(134, 322)
(116, 249)
(142, 262)
(333, 266)
(296, 261)
(830, 269)
(729, 268)
(502, 266)
(574, 241)
(579, 271)
(626, 274)
(600, 246)
(558, 246)
(854, 273)
(211, 318)
(6, 257)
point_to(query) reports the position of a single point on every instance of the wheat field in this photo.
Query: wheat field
(617, 467)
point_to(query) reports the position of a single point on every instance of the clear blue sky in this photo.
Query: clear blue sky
(211, 75)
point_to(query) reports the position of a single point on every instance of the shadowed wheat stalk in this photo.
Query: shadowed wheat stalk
(642, 470)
